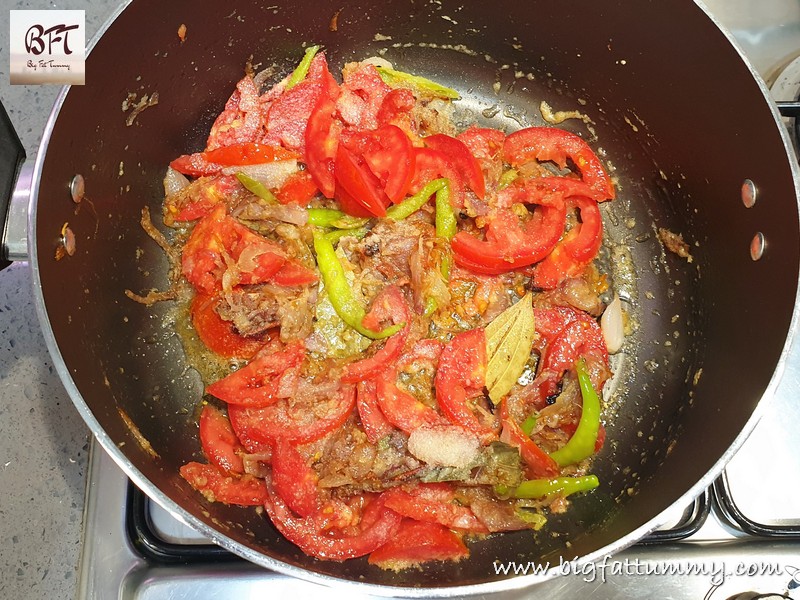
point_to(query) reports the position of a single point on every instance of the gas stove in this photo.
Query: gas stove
(739, 539)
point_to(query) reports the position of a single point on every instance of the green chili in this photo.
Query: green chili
(391, 76)
(430, 307)
(528, 424)
(541, 488)
(256, 187)
(507, 178)
(581, 444)
(302, 69)
(339, 292)
(335, 235)
(412, 204)
(446, 225)
(330, 217)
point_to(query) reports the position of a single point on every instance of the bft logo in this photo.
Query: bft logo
(35, 38)
(48, 46)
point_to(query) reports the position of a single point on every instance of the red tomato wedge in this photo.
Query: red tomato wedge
(292, 273)
(418, 542)
(558, 145)
(461, 159)
(294, 480)
(219, 442)
(461, 373)
(401, 409)
(389, 305)
(575, 251)
(388, 153)
(218, 486)
(299, 188)
(218, 335)
(306, 418)
(372, 419)
(212, 162)
(377, 526)
(431, 164)
(322, 138)
(433, 503)
(538, 462)
(202, 261)
(358, 190)
(257, 384)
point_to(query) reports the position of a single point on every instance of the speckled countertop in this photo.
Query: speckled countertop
(43, 441)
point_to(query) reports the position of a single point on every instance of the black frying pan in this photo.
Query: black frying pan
(678, 115)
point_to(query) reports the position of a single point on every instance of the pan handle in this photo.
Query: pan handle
(15, 183)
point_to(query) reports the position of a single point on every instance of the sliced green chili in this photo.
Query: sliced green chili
(581, 444)
(391, 76)
(335, 235)
(412, 204)
(256, 187)
(330, 217)
(528, 424)
(507, 178)
(446, 225)
(339, 291)
(302, 69)
(430, 307)
(541, 488)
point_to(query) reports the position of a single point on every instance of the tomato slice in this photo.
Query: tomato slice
(202, 261)
(401, 409)
(218, 486)
(507, 245)
(461, 159)
(389, 305)
(257, 384)
(417, 542)
(377, 526)
(390, 156)
(294, 480)
(431, 164)
(538, 462)
(212, 162)
(322, 138)
(292, 273)
(219, 442)
(301, 420)
(557, 145)
(218, 335)
(372, 420)
(573, 253)
(433, 503)
(357, 185)
(299, 188)
(395, 107)
(461, 375)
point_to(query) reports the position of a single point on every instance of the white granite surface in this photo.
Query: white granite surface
(43, 441)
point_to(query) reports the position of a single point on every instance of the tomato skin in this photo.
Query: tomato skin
(322, 138)
(461, 373)
(417, 542)
(401, 409)
(202, 260)
(575, 251)
(431, 164)
(218, 486)
(218, 335)
(538, 462)
(372, 419)
(433, 503)
(461, 159)
(507, 245)
(388, 153)
(550, 143)
(293, 479)
(395, 107)
(299, 189)
(359, 185)
(280, 420)
(390, 305)
(219, 442)
(292, 273)
(378, 525)
(256, 384)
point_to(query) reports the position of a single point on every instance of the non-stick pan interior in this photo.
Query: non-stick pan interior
(675, 114)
